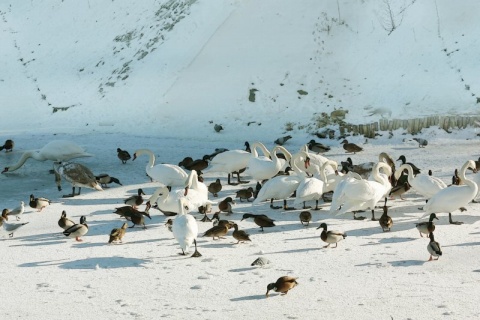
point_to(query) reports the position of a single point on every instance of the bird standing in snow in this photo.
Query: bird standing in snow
(18, 211)
(218, 127)
(422, 143)
(281, 141)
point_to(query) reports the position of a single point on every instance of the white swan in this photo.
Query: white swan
(316, 161)
(280, 187)
(228, 162)
(169, 175)
(77, 174)
(262, 167)
(453, 197)
(185, 228)
(332, 179)
(56, 150)
(358, 194)
(425, 185)
(195, 192)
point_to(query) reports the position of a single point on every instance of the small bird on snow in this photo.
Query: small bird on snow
(422, 143)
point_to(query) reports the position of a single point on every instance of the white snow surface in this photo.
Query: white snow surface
(190, 65)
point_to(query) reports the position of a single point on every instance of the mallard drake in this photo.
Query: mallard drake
(434, 248)
(240, 235)
(217, 231)
(260, 220)
(245, 194)
(77, 174)
(282, 140)
(305, 217)
(385, 220)
(117, 233)
(57, 150)
(8, 145)
(38, 203)
(317, 147)
(64, 222)
(123, 155)
(422, 143)
(215, 187)
(185, 228)
(331, 236)
(351, 147)
(399, 190)
(105, 179)
(282, 285)
(10, 228)
(426, 227)
(132, 214)
(77, 230)
(226, 205)
(415, 169)
(18, 211)
(135, 200)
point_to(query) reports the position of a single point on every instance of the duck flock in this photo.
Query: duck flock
(300, 182)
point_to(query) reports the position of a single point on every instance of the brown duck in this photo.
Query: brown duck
(217, 231)
(123, 155)
(282, 285)
(215, 187)
(117, 233)
(240, 235)
(8, 145)
(305, 217)
(261, 220)
(132, 214)
(135, 200)
(245, 194)
(385, 220)
(226, 205)
(351, 147)
(64, 222)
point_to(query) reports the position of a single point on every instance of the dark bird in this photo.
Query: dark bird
(385, 220)
(317, 147)
(8, 145)
(105, 179)
(351, 147)
(247, 147)
(77, 230)
(282, 285)
(215, 187)
(240, 235)
(64, 222)
(226, 205)
(77, 174)
(399, 190)
(282, 140)
(456, 179)
(426, 227)
(123, 155)
(416, 170)
(305, 217)
(135, 200)
(217, 222)
(217, 231)
(38, 203)
(422, 143)
(331, 236)
(169, 224)
(132, 214)
(245, 194)
(260, 220)
(197, 165)
(117, 234)
(434, 248)
(217, 127)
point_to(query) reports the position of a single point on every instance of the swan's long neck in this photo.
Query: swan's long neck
(155, 197)
(294, 165)
(192, 180)
(462, 174)
(262, 147)
(323, 174)
(382, 178)
(409, 170)
(25, 156)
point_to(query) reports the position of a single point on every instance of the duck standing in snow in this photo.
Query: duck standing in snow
(217, 231)
(123, 155)
(305, 217)
(245, 194)
(65, 222)
(385, 220)
(117, 234)
(426, 227)
(240, 235)
(105, 179)
(317, 147)
(351, 147)
(132, 214)
(77, 230)
(260, 220)
(282, 285)
(434, 248)
(38, 203)
(331, 236)
(215, 187)
(135, 200)
(226, 205)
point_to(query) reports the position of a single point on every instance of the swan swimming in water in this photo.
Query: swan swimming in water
(56, 150)
(169, 175)
(453, 197)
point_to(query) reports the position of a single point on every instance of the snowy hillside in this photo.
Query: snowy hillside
(111, 64)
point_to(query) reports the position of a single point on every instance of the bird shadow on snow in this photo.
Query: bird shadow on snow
(407, 263)
(248, 298)
(91, 263)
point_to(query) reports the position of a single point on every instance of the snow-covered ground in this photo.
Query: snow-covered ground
(182, 80)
